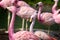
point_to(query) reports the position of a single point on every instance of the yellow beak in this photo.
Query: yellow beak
(30, 20)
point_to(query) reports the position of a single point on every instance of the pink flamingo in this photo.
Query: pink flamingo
(41, 34)
(56, 16)
(30, 12)
(6, 3)
(45, 18)
(19, 4)
(21, 35)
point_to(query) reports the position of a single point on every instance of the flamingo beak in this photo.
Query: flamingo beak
(8, 8)
(30, 19)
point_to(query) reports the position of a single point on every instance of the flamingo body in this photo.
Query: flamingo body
(25, 35)
(22, 3)
(57, 18)
(44, 35)
(26, 12)
(47, 18)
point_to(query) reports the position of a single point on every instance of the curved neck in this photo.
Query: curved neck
(33, 22)
(57, 12)
(54, 7)
(11, 27)
(39, 13)
(31, 26)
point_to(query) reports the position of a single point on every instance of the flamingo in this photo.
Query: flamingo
(19, 4)
(56, 16)
(25, 12)
(41, 34)
(20, 35)
(4, 4)
(45, 18)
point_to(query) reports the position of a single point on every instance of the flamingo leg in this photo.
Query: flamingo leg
(23, 24)
(48, 29)
(8, 18)
(26, 25)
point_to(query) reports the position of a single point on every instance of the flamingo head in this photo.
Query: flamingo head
(56, 0)
(12, 8)
(40, 4)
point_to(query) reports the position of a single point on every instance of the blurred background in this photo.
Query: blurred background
(18, 22)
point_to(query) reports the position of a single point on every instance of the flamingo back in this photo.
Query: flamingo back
(22, 3)
(48, 18)
(25, 35)
(26, 12)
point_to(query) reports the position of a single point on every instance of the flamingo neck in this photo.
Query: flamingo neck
(1, 4)
(33, 22)
(11, 27)
(54, 7)
(31, 26)
(39, 13)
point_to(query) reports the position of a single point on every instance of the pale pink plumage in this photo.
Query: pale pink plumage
(44, 35)
(21, 35)
(45, 18)
(25, 35)
(6, 3)
(56, 14)
(26, 12)
(22, 3)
